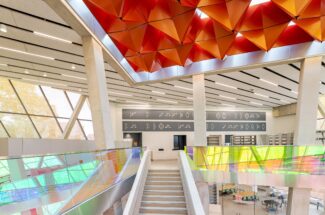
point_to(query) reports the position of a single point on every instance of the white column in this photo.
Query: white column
(305, 131)
(307, 104)
(199, 110)
(97, 91)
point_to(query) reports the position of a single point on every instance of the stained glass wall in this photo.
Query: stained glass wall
(33, 111)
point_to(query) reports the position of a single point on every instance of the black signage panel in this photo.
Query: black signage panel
(236, 116)
(236, 126)
(157, 114)
(157, 126)
(188, 115)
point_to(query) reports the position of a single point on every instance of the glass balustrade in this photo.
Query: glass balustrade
(53, 184)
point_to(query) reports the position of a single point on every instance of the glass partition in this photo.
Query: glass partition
(254, 180)
(53, 184)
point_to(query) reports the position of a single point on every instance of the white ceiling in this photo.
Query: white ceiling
(23, 17)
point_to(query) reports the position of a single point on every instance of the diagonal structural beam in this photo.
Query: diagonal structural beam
(74, 117)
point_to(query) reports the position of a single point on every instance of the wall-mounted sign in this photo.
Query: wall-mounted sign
(189, 126)
(157, 114)
(236, 126)
(188, 115)
(235, 116)
(157, 126)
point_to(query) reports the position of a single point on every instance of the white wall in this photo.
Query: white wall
(155, 140)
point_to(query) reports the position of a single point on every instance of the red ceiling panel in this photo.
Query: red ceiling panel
(154, 34)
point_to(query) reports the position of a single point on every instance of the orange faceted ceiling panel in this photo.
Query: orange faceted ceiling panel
(155, 34)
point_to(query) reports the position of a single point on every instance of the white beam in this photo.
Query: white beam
(74, 117)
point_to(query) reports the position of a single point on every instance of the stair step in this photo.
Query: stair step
(170, 183)
(163, 192)
(163, 187)
(163, 170)
(163, 198)
(164, 177)
(163, 204)
(163, 210)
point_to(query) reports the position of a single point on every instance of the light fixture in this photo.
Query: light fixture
(256, 2)
(3, 64)
(184, 88)
(73, 67)
(189, 98)
(163, 100)
(201, 14)
(239, 34)
(26, 71)
(73, 76)
(291, 23)
(79, 90)
(269, 82)
(51, 37)
(228, 105)
(158, 92)
(295, 92)
(261, 95)
(45, 82)
(27, 53)
(44, 75)
(285, 101)
(121, 94)
(255, 103)
(227, 97)
(3, 28)
(225, 85)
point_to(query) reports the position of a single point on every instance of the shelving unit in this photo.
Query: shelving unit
(214, 140)
(244, 140)
(280, 139)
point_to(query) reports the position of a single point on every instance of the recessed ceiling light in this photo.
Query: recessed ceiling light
(79, 90)
(3, 64)
(291, 23)
(295, 92)
(255, 103)
(26, 71)
(73, 76)
(44, 75)
(44, 82)
(189, 98)
(158, 92)
(269, 82)
(225, 85)
(256, 2)
(73, 67)
(201, 14)
(239, 34)
(51, 37)
(184, 88)
(228, 105)
(163, 100)
(227, 97)
(3, 28)
(258, 94)
(121, 94)
(26, 53)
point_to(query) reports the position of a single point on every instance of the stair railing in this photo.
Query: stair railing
(133, 204)
(193, 200)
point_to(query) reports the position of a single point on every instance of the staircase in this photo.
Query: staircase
(163, 193)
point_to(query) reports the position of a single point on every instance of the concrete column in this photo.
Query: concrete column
(305, 130)
(199, 109)
(97, 91)
(307, 104)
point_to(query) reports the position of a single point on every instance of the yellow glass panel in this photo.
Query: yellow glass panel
(18, 126)
(8, 99)
(47, 127)
(32, 98)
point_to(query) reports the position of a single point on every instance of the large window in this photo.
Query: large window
(33, 111)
